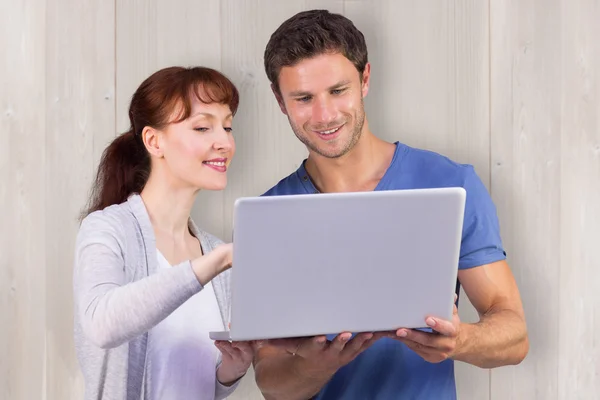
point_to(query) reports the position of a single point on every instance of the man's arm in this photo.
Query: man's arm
(500, 336)
(291, 369)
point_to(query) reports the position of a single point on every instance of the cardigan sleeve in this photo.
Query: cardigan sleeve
(113, 311)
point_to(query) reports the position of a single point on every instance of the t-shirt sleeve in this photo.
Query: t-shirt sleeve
(481, 242)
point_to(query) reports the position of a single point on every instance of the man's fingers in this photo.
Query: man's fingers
(424, 351)
(283, 343)
(370, 342)
(423, 338)
(289, 345)
(338, 344)
(429, 354)
(428, 341)
(299, 346)
(306, 347)
(414, 346)
(314, 344)
(358, 342)
(444, 327)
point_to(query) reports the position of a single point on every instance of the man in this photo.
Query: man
(317, 64)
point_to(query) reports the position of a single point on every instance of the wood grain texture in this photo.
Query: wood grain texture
(22, 237)
(526, 73)
(80, 120)
(579, 308)
(158, 34)
(430, 89)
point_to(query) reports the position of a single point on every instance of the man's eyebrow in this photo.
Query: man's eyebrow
(339, 84)
(301, 93)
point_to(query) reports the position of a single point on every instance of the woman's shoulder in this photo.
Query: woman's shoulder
(114, 214)
(114, 221)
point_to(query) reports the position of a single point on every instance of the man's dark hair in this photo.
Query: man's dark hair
(311, 33)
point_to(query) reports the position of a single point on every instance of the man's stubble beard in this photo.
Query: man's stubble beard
(359, 119)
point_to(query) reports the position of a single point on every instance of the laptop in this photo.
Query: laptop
(322, 264)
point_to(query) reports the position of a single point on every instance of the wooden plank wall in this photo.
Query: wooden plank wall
(512, 87)
(80, 120)
(22, 200)
(545, 152)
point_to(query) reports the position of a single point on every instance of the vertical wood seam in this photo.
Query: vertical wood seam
(115, 132)
(45, 191)
(232, 77)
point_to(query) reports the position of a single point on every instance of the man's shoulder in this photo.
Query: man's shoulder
(435, 167)
(291, 184)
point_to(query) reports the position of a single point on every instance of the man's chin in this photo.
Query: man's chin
(333, 151)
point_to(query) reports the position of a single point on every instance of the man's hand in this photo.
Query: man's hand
(437, 346)
(319, 356)
(297, 368)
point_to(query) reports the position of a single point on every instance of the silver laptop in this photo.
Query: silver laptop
(318, 264)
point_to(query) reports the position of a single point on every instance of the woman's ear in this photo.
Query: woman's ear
(152, 140)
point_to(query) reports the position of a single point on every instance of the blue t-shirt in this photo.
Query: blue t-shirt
(389, 369)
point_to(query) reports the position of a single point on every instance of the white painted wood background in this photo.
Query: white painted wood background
(510, 86)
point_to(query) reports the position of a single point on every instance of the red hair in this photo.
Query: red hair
(125, 164)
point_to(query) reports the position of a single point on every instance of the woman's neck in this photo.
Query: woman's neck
(169, 207)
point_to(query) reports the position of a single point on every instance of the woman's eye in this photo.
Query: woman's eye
(201, 129)
(229, 130)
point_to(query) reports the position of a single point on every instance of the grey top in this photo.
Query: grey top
(120, 295)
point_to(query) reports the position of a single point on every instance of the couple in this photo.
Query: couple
(149, 284)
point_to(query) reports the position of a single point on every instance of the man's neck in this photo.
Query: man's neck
(360, 169)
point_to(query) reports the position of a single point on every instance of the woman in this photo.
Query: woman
(148, 284)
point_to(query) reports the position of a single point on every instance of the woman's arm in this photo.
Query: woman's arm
(113, 311)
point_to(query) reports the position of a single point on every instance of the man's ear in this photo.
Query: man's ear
(366, 80)
(152, 140)
(279, 99)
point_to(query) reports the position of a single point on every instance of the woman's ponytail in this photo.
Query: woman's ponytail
(124, 169)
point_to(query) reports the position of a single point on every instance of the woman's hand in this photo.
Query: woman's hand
(225, 251)
(212, 264)
(236, 359)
